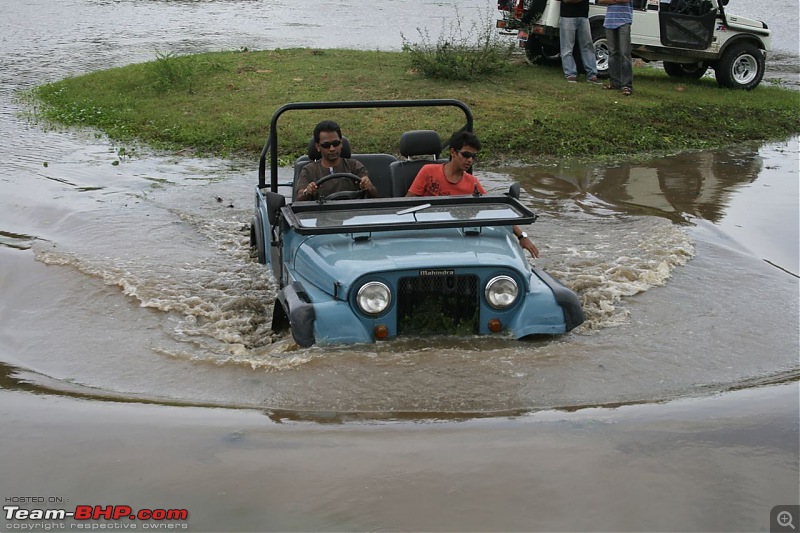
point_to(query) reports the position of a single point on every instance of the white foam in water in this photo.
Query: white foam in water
(626, 259)
(221, 305)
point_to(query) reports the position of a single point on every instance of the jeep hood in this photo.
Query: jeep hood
(324, 260)
(744, 21)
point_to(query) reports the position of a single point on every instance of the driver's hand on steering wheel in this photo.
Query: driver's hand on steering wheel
(365, 184)
(311, 189)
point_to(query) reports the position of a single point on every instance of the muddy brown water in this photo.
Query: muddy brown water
(135, 336)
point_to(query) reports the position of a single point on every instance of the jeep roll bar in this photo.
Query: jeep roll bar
(271, 145)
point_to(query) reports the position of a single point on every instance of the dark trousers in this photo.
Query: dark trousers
(620, 64)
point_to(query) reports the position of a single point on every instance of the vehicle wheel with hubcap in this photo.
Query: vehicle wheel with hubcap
(600, 51)
(693, 71)
(541, 54)
(741, 67)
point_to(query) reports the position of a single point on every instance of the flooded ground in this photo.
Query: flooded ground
(651, 249)
(130, 305)
(711, 464)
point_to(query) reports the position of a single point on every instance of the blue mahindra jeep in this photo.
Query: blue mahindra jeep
(353, 270)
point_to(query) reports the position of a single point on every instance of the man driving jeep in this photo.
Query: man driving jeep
(329, 142)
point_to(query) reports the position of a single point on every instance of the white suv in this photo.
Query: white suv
(687, 35)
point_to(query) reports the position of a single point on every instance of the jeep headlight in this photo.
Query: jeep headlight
(501, 292)
(374, 297)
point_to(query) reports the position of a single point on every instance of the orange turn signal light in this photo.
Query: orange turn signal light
(495, 326)
(381, 332)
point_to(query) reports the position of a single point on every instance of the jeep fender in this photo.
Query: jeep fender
(568, 300)
(293, 310)
(742, 38)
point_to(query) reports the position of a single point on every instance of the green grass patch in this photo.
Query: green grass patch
(465, 54)
(221, 104)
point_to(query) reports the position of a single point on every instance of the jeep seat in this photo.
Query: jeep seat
(416, 143)
(378, 166)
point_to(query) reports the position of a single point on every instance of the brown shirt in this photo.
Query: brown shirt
(314, 171)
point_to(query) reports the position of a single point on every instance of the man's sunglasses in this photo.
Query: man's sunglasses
(468, 155)
(327, 144)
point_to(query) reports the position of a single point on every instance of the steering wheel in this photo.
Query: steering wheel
(343, 195)
(688, 7)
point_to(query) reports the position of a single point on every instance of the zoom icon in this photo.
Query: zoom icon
(783, 518)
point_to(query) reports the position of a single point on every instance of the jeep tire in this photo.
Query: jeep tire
(740, 67)
(600, 50)
(257, 238)
(693, 71)
(542, 54)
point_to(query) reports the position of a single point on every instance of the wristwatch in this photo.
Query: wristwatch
(522, 235)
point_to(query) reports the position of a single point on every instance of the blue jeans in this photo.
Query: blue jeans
(569, 29)
(620, 64)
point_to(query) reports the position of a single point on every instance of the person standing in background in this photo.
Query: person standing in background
(619, 18)
(574, 25)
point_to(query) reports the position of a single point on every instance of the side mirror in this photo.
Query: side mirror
(513, 191)
(275, 202)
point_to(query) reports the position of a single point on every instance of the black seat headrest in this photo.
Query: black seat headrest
(420, 142)
(314, 155)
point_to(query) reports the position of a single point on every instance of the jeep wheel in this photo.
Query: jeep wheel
(600, 51)
(542, 54)
(257, 235)
(741, 67)
(694, 71)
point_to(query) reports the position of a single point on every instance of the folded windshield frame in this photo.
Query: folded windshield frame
(393, 214)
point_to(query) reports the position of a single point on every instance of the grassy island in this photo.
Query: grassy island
(221, 104)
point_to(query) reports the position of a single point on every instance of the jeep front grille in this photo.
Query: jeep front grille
(438, 304)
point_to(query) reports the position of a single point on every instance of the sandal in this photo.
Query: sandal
(627, 91)
(610, 87)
